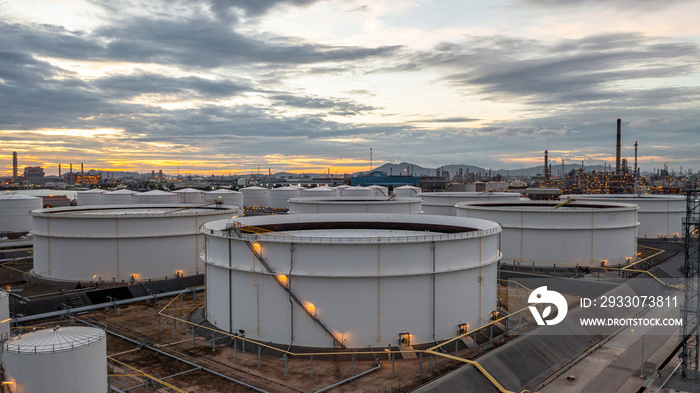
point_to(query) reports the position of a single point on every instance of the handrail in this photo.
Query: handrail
(160, 381)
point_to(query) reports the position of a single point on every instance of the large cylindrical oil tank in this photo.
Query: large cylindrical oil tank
(14, 212)
(357, 191)
(579, 233)
(58, 360)
(317, 192)
(659, 215)
(366, 277)
(355, 205)
(190, 195)
(4, 315)
(379, 190)
(278, 197)
(225, 196)
(406, 191)
(443, 203)
(118, 197)
(90, 197)
(101, 243)
(255, 196)
(156, 197)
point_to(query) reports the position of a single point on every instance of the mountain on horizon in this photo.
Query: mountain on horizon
(417, 170)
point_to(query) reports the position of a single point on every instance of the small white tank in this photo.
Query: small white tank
(90, 197)
(379, 190)
(279, 197)
(316, 192)
(4, 315)
(406, 191)
(119, 197)
(226, 197)
(355, 205)
(190, 196)
(156, 197)
(58, 360)
(358, 191)
(339, 189)
(255, 196)
(443, 203)
(14, 212)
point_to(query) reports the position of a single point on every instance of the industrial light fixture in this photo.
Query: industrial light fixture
(405, 339)
(462, 328)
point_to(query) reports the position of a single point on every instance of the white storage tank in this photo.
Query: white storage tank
(4, 315)
(357, 191)
(659, 215)
(225, 196)
(579, 233)
(101, 243)
(118, 197)
(316, 192)
(407, 191)
(255, 196)
(14, 212)
(156, 197)
(90, 197)
(58, 360)
(366, 277)
(340, 189)
(379, 190)
(355, 205)
(443, 203)
(278, 197)
(190, 195)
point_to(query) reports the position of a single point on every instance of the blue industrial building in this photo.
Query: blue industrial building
(380, 178)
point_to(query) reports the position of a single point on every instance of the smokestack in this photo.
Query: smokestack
(70, 174)
(635, 158)
(546, 165)
(82, 169)
(14, 167)
(59, 172)
(617, 155)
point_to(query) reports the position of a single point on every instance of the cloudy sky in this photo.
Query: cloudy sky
(217, 86)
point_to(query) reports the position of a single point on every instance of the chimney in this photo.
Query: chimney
(635, 158)
(14, 167)
(617, 155)
(82, 169)
(546, 165)
(70, 174)
(59, 172)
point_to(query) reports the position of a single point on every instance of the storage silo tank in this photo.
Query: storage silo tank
(4, 315)
(156, 197)
(278, 197)
(358, 191)
(406, 191)
(443, 203)
(580, 233)
(14, 212)
(90, 197)
(190, 195)
(367, 277)
(317, 192)
(355, 205)
(255, 196)
(659, 215)
(340, 189)
(379, 190)
(118, 197)
(58, 360)
(225, 196)
(121, 242)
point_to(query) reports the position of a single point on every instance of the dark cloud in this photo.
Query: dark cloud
(446, 120)
(252, 7)
(338, 106)
(124, 86)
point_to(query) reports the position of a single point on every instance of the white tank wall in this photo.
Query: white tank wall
(406, 191)
(535, 231)
(119, 197)
(379, 190)
(659, 215)
(4, 315)
(255, 196)
(156, 197)
(319, 192)
(357, 191)
(55, 367)
(75, 246)
(278, 197)
(226, 197)
(190, 196)
(355, 205)
(14, 212)
(443, 203)
(367, 290)
(90, 198)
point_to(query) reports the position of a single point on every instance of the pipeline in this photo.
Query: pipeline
(327, 388)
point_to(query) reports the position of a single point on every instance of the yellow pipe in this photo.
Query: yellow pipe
(149, 376)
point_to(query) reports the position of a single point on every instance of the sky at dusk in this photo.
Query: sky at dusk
(216, 86)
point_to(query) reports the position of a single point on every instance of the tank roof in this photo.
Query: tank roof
(55, 340)
(17, 197)
(548, 206)
(133, 211)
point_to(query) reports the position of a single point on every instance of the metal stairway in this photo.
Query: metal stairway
(75, 300)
